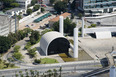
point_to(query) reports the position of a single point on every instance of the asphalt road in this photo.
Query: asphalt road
(66, 67)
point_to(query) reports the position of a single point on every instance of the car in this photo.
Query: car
(27, 26)
(13, 45)
(42, 5)
(35, 63)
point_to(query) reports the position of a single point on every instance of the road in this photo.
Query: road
(66, 68)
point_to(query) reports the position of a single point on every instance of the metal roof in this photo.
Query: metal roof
(48, 38)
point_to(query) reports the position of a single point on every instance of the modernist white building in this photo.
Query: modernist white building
(53, 43)
(7, 25)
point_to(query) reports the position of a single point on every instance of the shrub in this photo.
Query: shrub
(89, 26)
(32, 52)
(17, 55)
(93, 25)
(79, 34)
(16, 48)
(37, 61)
(38, 13)
(28, 45)
(42, 10)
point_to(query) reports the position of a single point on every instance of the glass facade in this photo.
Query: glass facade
(98, 4)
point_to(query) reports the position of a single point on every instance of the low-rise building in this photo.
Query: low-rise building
(56, 19)
(12, 12)
(7, 25)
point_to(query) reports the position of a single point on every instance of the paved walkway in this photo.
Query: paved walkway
(33, 25)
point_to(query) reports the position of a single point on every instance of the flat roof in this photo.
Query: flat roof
(57, 18)
(14, 9)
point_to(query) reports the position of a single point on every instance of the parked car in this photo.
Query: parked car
(42, 5)
(27, 26)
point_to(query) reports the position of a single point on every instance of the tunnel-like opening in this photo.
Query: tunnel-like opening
(58, 45)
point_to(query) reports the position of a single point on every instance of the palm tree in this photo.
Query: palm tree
(32, 73)
(60, 71)
(27, 74)
(49, 73)
(55, 72)
(37, 73)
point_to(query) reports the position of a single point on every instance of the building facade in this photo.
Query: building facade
(96, 7)
(24, 3)
(7, 25)
(1, 5)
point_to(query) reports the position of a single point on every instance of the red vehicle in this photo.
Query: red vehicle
(42, 5)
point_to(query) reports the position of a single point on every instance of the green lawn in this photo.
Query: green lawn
(48, 61)
(66, 58)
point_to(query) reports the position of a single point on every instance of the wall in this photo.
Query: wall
(28, 17)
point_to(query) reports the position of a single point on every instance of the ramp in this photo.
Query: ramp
(103, 35)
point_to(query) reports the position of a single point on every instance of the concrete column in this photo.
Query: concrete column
(75, 50)
(83, 26)
(61, 26)
(112, 71)
(15, 23)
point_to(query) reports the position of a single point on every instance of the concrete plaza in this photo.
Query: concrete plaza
(97, 48)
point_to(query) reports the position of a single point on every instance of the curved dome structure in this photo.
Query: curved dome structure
(54, 42)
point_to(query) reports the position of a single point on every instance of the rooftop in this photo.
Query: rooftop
(57, 18)
(14, 9)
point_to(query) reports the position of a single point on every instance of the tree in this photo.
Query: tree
(14, 5)
(17, 55)
(45, 31)
(9, 3)
(80, 15)
(55, 72)
(32, 40)
(60, 6)
(16, 48)
(12, 38)
(52, 1)
(42, 10)
(27, 30)
(33, 2)
(32, 52)
(5, 44)
(37, 61)
(29, 11)
(36, 7)
(72, 16)
(19, 17)
(21, 34)
(68, 26)
(73, 5)
(60, 71)
(34, 37)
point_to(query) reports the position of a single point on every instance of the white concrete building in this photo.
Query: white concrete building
(54, 43)
(7, 25)
(24, 3)
(12, 12)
